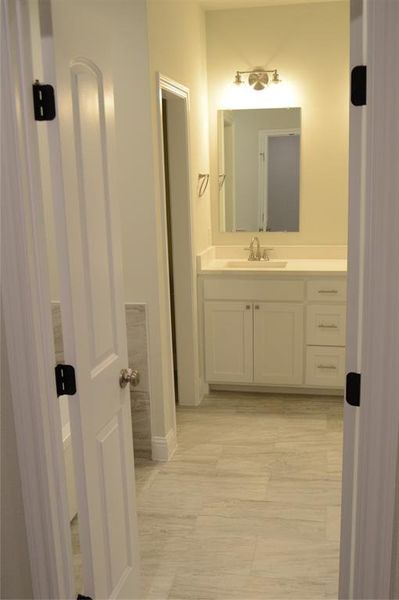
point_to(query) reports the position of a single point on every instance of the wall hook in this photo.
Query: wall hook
(203, 180)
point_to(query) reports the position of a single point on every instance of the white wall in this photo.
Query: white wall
(309, 45)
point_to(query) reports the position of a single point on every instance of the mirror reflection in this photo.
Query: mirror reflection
(259, 167)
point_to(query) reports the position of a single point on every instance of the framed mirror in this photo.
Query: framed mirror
(259, 169)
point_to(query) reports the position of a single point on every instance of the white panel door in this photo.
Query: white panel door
(92, 296)
(228, 342)
(278, 343)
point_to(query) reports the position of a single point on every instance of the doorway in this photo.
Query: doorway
(372, 547)
(178, 227)
(166, 142)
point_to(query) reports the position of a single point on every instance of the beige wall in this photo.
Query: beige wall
(177, 50)
(309, 45)
(142, 241)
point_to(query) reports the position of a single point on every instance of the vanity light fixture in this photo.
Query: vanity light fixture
(258, 78)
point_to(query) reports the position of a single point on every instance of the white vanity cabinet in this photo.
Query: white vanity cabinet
(247, 342)
(274, 331)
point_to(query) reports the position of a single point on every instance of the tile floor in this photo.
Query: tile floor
(249, 506)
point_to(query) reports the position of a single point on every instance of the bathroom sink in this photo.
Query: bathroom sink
(256, 264)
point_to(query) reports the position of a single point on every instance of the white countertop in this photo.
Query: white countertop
(293, 266)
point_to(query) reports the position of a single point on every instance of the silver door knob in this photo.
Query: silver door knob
(129, 376)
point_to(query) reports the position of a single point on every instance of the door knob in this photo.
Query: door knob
(129, 376)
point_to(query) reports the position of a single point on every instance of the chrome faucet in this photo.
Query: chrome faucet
(252, 254)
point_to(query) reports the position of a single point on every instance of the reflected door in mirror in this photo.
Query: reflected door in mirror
(259, 169)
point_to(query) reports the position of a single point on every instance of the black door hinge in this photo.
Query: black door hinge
(353, 381)
(43, 101)
(359, 85)
(65, 380)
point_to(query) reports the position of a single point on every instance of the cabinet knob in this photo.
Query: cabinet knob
(248, 307)
(257, 307)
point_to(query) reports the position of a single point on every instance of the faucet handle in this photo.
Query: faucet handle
(265, 255)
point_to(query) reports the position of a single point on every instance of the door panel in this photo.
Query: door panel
(228, 342)
(94, 204)
(278, 343)
(92, 295)
(114, 497)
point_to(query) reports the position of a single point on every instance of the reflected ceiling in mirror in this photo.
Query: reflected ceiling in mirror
(259, 169)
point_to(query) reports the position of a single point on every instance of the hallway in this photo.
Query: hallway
(248, 508)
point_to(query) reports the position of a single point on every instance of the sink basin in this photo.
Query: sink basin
(256, 264)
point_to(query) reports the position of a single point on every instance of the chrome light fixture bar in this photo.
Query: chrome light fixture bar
(258, 78)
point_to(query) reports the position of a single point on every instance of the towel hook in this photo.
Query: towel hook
(203, 180)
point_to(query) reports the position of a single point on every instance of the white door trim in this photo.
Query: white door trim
(369, 516)
(379, 410)
(27, 317)
(221, 171)
(354, 320)
(186, 346)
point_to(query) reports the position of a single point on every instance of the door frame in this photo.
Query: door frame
(28, 329)
(186, 345)
(224, 118)
(26, 303)
(263, 169)
(370, 478)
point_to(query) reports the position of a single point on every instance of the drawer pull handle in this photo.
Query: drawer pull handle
(256, 306)
(328, 291)
(248, 307)
(322, 326)
(327, 367)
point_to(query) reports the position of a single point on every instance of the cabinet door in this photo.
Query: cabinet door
(278, 343)
(229, 342)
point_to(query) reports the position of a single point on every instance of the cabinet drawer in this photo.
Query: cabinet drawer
(254, 289)
(325, 366)
(326, 290)
(326, 324)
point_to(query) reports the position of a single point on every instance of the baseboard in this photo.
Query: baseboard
(299, 391)
(204, 387)
(163, 448)
(195, 397)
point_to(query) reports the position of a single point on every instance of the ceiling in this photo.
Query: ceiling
(228, 4)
